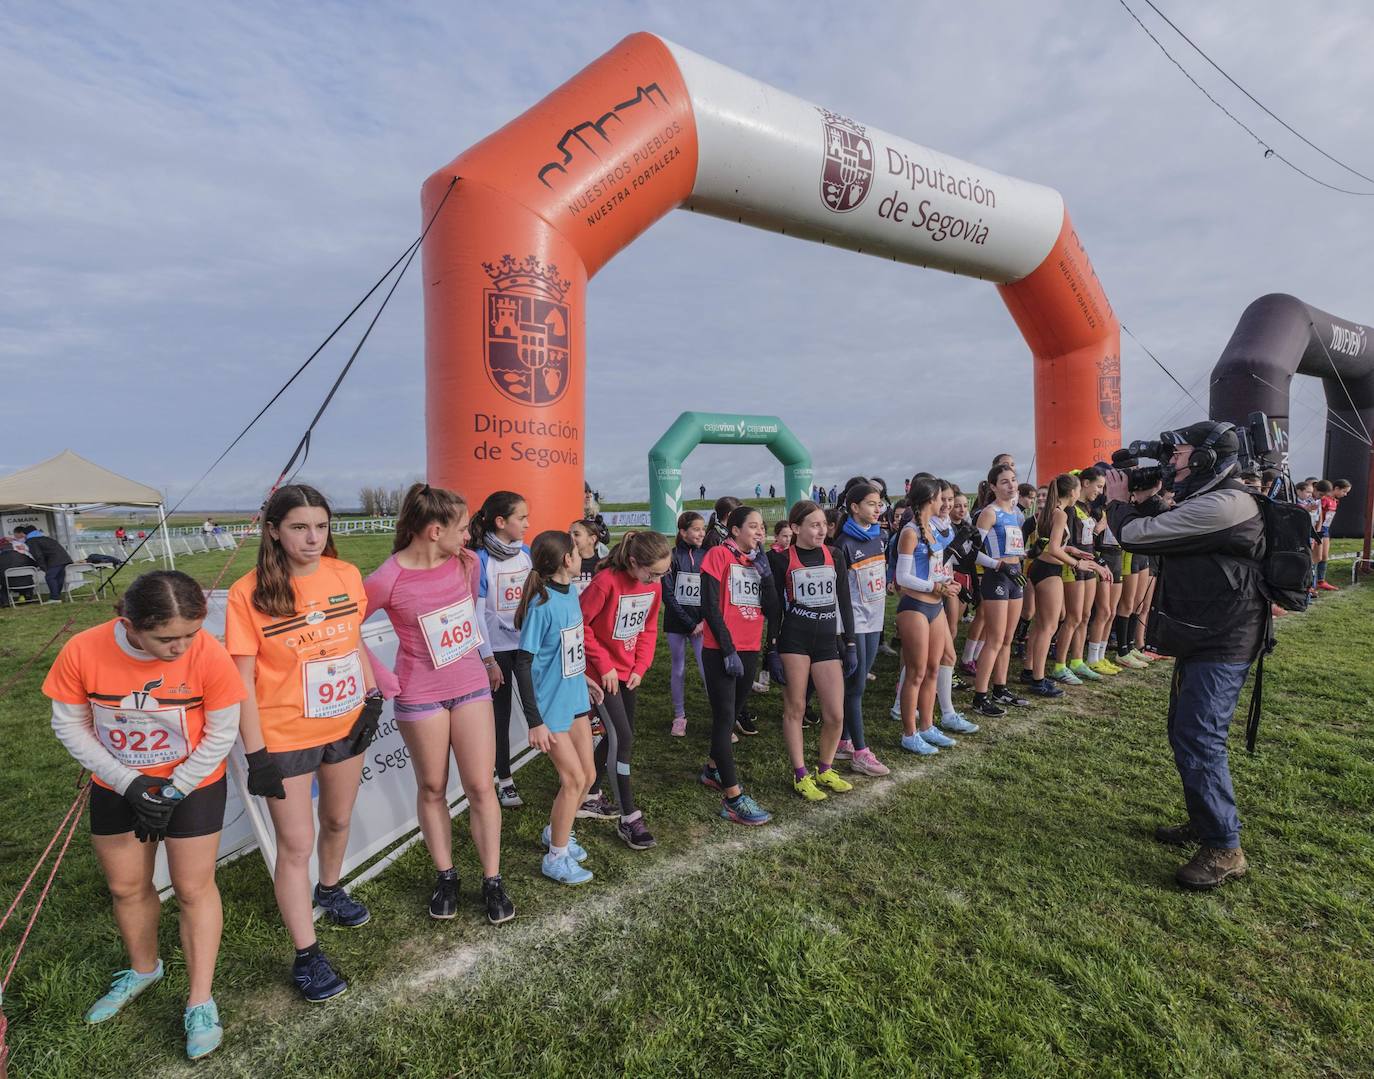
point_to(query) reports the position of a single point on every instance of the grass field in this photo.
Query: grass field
(998, 910)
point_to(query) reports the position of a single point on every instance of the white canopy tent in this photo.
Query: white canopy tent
(69, 480)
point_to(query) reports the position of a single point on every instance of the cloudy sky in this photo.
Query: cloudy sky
(191, 196)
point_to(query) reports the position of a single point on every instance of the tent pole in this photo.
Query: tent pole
(166, 541)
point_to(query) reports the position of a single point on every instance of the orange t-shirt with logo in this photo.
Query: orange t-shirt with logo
(309, 674)
(149, 713)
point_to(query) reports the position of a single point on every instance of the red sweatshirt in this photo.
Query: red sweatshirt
(621, 616)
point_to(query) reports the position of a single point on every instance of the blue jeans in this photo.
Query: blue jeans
(1202, 700)
(855, 685)
(56, 578)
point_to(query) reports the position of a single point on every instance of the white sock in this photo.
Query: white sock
(557, 852)
(977, 649)
(944, 689)
(970, 650)
(1093, 654)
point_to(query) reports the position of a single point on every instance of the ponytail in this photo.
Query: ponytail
(641, 548)
(547, 553)
(423, 506)
(497, 504)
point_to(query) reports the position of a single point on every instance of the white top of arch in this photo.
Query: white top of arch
(762, 156)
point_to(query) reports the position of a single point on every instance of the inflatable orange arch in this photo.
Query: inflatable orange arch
(535, 209)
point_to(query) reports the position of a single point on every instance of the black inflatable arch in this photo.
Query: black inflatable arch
(1278, 337)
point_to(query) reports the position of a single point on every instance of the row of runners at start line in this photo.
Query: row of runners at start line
(151, 704)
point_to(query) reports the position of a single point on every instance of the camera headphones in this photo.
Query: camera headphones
(1204, 458)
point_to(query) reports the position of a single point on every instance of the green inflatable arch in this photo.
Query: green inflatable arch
(691, 429)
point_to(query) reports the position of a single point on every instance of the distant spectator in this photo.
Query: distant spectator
(834, 494)
(591, 513)
(758, 490)
(208, 527)
(772, 491)
(702, 489)
(52, 558)
(121, 536)
(19, 540)
(12, 559)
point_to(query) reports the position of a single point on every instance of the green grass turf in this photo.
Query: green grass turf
(998, 910)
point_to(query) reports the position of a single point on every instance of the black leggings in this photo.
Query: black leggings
(618, 712)
(724, 692)
(500, 706)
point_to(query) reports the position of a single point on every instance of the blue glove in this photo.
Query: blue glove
(851, 660)
(734, 666)
(775, 669)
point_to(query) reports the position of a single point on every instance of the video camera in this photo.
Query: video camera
(1263, 444)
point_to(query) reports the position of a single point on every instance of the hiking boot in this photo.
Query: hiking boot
(1210, 867)
(1178, 835)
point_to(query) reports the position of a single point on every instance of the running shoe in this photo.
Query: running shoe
(1018, 649)
(1151, 656)
(1327, 586)
(844, 750)
(635, 834)
(896, 711)
(969, 668)
(988, 707)
(871, 676)
(710, 778)
(1136, 653)
(1105, 667)
(316, 978)
(499, 907)
(564, 870)
(340, 907)
(1046, 688)
(1007, 699)
(125, 988)
(747, 724)
(598, 807)
(1084, 671)
(831, 780)
(203, 1030)
(575, 850)
(679, 727)
(806, 787)
(443, 903)
(1061, 673)
(938, 738)
(810, 719)
(760, 687)
(957, 723)
(1129, 660)
(887, 649)
(744, 810)
(958, 683)
(914, 743)
(866, 764)
(508, 796)
(1026, 676)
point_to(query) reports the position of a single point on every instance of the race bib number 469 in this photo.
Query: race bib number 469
(333, 686)
(631, 614)
(451, 632)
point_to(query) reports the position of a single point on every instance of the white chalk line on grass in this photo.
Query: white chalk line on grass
(515, 947)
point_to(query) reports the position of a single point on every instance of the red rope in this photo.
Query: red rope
(30, 662)
(41, 859)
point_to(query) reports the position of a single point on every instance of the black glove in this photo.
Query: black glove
(775, 669)
(851, 660)
(152, 812)
(734, 666)
(1019, 579)
(264, 777)
(965, 596)
(365, 729)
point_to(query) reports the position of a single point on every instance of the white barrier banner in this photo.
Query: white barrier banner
(627, 519)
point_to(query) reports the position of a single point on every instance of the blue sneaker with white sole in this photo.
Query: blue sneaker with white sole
(938, 738)
(564, 870)
(203, 1030)
(340, 907)
(744, 810)
(575, 849)
(956, 722)
(914, 743)
(124, 989)
(316, 978)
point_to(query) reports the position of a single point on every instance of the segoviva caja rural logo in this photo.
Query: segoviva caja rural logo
(528, 330)
(847, 172)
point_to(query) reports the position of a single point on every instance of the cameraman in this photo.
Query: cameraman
(1208, 612)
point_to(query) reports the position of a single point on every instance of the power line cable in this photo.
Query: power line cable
(1159, 363)
(1268, 112)
(1269, 151)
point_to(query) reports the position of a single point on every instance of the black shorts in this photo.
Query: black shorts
(1041, 570)
(930, 609)
(299, 762)
(1111, 558)
(200, 813)
(816, 640)
(998, 584)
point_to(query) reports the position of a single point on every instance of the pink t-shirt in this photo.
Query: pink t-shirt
(437, 620)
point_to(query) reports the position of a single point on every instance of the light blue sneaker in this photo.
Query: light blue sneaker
(918, 745)
(565, 870)
(575, 849)
(125, 987)
(957, 723)
(203, 1032)
(937, 737)
(744, 811)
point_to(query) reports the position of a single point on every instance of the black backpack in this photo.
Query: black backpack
(1285, 571)
(1287, 562)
